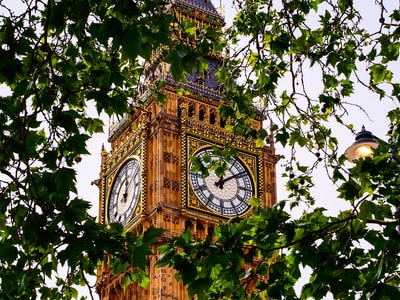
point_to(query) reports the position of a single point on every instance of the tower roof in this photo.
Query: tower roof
(203, 6)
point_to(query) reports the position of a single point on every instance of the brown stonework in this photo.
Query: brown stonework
(163, 137)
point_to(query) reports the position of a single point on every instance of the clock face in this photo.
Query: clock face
(227, 195)
(125, 192)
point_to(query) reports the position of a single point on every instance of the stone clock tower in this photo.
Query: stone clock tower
(147, 177)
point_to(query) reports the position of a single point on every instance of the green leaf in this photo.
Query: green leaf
(379, 73)
(152, 235)
(226, 111)
(189, 27)
(282, 137)
(384, 291)
(67, 120)
(330, 81)
(168, 253)
(138, 256)
(175, 59)
(119, 266)
(186, 237)
(131, 42)
(346, 67)
(187, 270)
(8, 253)
(76, 143)
(297, 138)
(92, 125)
(63, 177)
(200, 286)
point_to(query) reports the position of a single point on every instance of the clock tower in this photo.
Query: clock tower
(148, 177)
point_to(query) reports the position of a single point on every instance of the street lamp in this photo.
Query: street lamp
(363, 146)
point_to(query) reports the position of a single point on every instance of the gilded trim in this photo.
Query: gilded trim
(191, 144)
(134, 145)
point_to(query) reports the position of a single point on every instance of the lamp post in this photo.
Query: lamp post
(363, 145)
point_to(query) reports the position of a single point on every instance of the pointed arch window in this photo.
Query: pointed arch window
(202, 113)
(213, 117)
(192, 110)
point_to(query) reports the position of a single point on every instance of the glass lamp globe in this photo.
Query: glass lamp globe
(363, 146)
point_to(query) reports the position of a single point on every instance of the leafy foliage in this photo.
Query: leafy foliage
(300, 61)
(277, 49)
(55, 58)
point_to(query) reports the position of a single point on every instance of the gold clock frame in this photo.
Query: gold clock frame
(191, 144)
(114, 162)
(111, 181)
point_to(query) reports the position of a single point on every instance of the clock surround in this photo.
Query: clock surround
(125, 192)
(249, 160)
(227, 195)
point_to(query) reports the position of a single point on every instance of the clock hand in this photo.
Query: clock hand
(125, 195)
(222, 180)
(133, 175)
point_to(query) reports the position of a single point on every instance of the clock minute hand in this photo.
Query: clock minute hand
(130, 181)
(222, 180)
(125, 194)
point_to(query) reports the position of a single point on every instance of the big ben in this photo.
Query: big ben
(148, 179)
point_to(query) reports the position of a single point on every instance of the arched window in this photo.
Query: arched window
(221, 88)
(192, 109)
(213, 117)
(210, 232)
(202, 113)
(188, 224)
(222, 122)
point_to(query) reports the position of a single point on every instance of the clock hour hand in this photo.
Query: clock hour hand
(222, 180)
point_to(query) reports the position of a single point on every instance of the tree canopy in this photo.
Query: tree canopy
(301, 62)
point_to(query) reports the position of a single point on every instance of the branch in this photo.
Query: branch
(383, 222)
(86, 281)
(318, 232)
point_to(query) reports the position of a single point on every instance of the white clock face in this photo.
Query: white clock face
(228, 195)
(125, 192)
